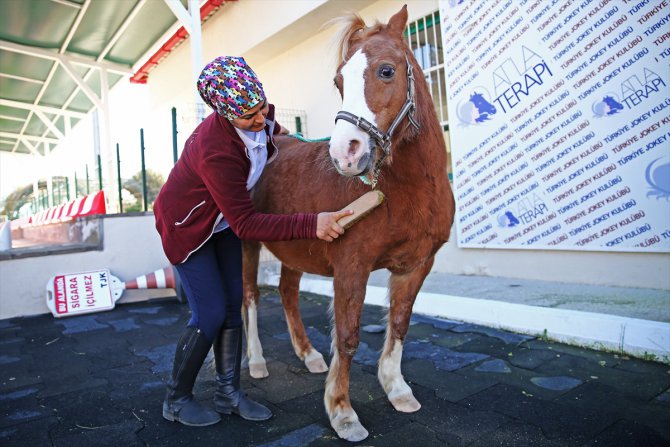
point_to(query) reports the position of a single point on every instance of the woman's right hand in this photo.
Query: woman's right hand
(327, 228)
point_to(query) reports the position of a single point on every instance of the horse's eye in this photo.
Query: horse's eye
(386, 71)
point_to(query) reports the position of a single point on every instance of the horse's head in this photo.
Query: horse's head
(482, 104)
(613, 104)
(373, 82)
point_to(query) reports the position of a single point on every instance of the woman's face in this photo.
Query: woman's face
(254, 119)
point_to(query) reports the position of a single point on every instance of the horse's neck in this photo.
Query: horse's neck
(423, 159)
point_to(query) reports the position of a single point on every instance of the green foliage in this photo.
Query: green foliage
(17, 198)
(134, 185)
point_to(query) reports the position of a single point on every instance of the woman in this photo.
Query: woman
(202, 212)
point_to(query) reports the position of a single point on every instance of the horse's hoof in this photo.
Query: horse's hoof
(315, 363)
(405, 403)
(351, 431)
(258, 370)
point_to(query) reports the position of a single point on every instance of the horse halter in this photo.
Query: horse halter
(381, 138)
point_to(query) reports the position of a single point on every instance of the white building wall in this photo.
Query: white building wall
(294, 58)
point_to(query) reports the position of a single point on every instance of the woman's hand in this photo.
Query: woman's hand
(327, 228)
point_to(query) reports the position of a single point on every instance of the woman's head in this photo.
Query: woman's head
(229, 86)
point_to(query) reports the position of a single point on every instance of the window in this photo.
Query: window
(424, 37)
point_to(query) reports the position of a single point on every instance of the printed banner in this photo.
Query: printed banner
(559, 116)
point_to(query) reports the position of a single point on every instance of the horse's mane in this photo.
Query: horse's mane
(348, 26)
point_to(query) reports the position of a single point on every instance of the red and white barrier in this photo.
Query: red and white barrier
(88, 205)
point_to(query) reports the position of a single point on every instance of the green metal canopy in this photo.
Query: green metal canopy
(58, 59)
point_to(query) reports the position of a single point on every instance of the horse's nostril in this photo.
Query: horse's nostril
(353, 146)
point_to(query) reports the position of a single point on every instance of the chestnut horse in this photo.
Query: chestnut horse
(407, 162)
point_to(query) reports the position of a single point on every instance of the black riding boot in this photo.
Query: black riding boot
(179, 405)
(228, 397)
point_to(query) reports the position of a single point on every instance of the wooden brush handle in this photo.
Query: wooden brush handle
(361, 207)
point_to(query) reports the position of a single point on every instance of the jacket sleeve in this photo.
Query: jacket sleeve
(225, 177)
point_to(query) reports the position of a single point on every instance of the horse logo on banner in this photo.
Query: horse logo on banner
(476, 109)
(608, 106)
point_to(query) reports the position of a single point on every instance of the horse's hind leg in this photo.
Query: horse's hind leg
(250, 258)
(402, 290)
(290, 296)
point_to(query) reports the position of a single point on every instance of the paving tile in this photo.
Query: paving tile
(161, 356)
(517, 434)
(558, 420)
(285, 384)
(494, 366)
(76, 325)
(302, 436)
(557, 383)
(443, 358)
(448, 386)
(641, 385)
(380, 419)
(452, 340)
(531, 358)
(456, 425)
(33, 433)
(8, 324)
(397, 437)
(124, 324)
(641, 366)
(22, 409)
(374, 328)
(652, 416)
(506, 337)
(491, 346)
(364, 387)
(120, 434)
(664, 397)
(625, 433)
(437, 323)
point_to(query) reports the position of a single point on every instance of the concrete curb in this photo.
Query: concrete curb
(632, 336)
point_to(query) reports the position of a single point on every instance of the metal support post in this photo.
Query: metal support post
(144, 173)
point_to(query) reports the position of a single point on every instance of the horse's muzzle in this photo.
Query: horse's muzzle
(361, 167)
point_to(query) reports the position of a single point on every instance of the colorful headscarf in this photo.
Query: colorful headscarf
(229, 86)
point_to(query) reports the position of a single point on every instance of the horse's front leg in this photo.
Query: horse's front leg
(250, 258)
(289, 290)
(402, 291)
(347, 307)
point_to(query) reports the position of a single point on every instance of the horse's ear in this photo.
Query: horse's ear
(398, 22)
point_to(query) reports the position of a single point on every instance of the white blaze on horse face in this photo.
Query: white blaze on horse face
(349, 145)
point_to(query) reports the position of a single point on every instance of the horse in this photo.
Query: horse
(483, 107)
(608, 106)
(407, 162)
(613, 105)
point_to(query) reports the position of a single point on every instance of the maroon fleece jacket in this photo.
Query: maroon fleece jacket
(209, 179)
